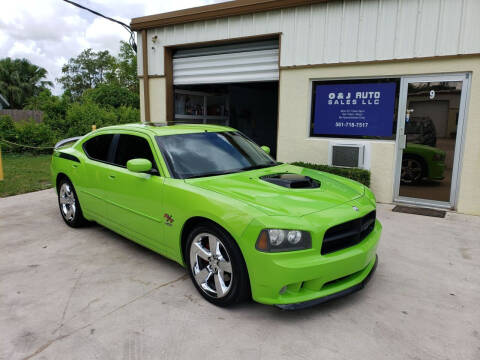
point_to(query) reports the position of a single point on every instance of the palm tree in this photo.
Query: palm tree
(20, 80)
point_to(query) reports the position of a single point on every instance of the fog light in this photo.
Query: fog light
(283, 290)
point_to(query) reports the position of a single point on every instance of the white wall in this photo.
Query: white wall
(294, 143)
(158, 111)
(340, 31)
(350, 32)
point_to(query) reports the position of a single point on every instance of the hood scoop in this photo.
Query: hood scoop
(292, 181)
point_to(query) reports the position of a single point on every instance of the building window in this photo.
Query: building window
(365, 108)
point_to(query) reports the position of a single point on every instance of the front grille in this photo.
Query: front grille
(348, 234)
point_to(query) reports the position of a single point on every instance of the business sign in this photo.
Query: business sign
(361, 109)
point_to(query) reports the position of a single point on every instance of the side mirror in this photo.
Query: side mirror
(266, 149)
(139, 165)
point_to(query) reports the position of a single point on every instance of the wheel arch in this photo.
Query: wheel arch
(189, 225)
(195, 221)
(60, 177)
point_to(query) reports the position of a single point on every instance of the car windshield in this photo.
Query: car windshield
(211, 153)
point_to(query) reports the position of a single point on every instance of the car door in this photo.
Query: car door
(135, 199)
(91, 187)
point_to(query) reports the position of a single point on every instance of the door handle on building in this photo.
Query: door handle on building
(402, 141)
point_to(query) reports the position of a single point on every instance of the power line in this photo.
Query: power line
(26, 146)
(131, 41)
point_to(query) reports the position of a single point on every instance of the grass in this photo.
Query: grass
(24, 173)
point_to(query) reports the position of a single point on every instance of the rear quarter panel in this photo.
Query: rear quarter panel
(71, 165)
(68, 165)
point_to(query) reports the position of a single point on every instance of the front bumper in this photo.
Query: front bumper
(348, 291)
(436, 170)
(306, 275)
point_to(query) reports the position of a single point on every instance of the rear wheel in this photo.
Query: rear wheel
(68, 203)
(216, 266)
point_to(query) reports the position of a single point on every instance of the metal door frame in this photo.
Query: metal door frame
(459, 141)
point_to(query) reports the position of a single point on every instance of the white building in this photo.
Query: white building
(396, 81)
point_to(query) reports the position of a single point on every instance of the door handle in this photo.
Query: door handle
(74, 166)
(111, 177)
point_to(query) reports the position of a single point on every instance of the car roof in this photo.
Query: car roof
(161, 129)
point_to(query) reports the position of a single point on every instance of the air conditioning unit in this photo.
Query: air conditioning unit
(346, 155)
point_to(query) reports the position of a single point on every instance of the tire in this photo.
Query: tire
(69, 205)
(414, 170)
(221, 279)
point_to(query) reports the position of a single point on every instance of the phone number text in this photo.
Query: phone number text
(348, 124)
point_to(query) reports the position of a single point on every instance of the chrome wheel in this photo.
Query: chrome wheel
(211, 266)
(412, 171)
(67, 201)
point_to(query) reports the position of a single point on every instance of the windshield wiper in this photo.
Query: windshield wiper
(213, 174)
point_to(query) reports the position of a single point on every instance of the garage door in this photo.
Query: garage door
(245, 62)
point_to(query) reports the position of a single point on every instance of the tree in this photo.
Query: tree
(126, 71)
(112, 94)
(81, 116)
(86, 71)
(54, 109)
(91, 69)
(20, 80)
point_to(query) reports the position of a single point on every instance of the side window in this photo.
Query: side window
(132, 147)
(97, 147)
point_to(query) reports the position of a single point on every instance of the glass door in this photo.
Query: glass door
(429, 139)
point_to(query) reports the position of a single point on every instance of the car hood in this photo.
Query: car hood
(273, 199)
(420, 148)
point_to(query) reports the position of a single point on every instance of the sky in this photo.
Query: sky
(49, 32)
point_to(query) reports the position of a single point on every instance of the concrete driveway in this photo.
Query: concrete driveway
(91, 294)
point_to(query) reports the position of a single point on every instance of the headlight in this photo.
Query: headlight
(276, 240)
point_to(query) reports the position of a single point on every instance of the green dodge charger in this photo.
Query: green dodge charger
(210, 199)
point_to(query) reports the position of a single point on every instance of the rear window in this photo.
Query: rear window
(97, 148)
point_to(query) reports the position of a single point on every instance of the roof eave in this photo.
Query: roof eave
(215, 11)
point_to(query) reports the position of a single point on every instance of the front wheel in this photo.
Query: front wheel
(413, 170)
(69, 205)
(216, 266)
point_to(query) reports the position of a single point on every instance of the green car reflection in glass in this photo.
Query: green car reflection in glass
(421, 159)
(210, 199)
